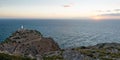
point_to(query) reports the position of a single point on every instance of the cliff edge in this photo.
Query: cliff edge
(28, 43)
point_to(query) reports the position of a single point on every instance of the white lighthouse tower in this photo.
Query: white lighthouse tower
(22, 27)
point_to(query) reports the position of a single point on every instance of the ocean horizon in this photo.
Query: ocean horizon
(67, 33)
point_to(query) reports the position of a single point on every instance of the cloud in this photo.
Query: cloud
(117, 10)
(99, 11)
(103, 10)
(69, 5)
(66, 5)
(110, 14)
(108, 11)
(114, 10)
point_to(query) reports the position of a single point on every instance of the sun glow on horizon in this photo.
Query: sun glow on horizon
(97, 18)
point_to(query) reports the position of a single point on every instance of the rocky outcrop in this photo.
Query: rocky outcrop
(28, 43)
(103, 51)
(31, 43)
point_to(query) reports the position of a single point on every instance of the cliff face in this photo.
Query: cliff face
(28, 42)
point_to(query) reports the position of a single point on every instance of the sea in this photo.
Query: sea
(67, 33)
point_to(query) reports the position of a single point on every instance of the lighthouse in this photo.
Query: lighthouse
(22, 27)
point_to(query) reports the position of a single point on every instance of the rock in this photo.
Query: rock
(107, 45)
(72, 55)
(31, 43)
(102, 51)
(75, 55)
(28, 43)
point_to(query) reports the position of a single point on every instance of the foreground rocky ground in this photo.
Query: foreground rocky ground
(103, 51)
(31, 43)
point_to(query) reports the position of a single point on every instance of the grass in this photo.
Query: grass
(12, 57)
(52, 58)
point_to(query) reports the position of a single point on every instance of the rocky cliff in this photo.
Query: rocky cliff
(28, 43)
(31, 43)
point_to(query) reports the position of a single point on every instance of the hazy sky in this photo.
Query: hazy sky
(96, 9)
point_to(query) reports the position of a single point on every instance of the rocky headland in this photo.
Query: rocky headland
(31, 43)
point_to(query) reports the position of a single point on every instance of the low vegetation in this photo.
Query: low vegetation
(11, 57)
(52, 58)
(103, 53)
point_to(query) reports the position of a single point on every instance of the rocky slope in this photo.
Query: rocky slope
(31, 43)
(28, 43)
(103, 51)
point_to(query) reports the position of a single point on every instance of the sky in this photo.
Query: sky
(69, 9)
